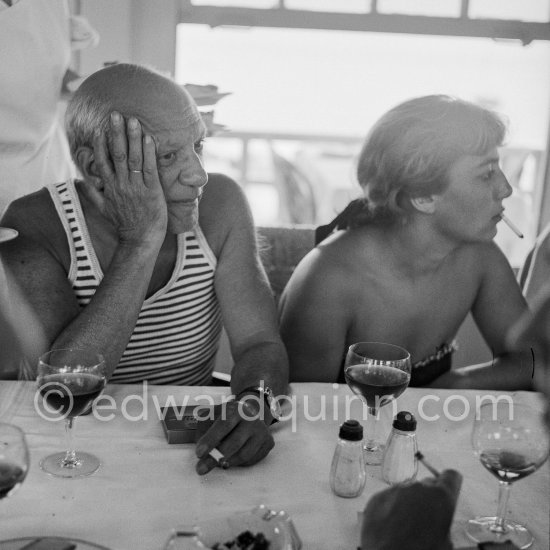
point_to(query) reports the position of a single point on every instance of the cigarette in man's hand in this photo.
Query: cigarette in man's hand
(511, 226)
(219, 458)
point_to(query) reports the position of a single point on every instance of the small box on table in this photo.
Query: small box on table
(180, 423)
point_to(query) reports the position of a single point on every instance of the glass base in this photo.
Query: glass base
(373, 455)
(480, 530)
(84, 464)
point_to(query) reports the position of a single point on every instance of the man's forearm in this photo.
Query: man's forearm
(107, 322)
(264, 362)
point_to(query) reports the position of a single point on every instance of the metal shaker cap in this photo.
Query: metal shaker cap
(405, 421)
(351, 430)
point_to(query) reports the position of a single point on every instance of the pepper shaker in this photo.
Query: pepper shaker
(347, 473)
(399, 464)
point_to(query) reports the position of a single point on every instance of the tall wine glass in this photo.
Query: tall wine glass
(511, 441)
(68, 381)
(14, 459)
(378, 373)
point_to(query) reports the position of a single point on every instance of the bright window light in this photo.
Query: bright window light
(264, 4)
(521, 10)
(348, 6)
(436, 8)
(336, 83)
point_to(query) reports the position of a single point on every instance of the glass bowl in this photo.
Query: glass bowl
(276, 526)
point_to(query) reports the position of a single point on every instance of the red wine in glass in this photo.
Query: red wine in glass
(14, 459)
(71, 393)
(508, 466)
(69, 380)
(11, 477)
(378, 373)
(377, 384)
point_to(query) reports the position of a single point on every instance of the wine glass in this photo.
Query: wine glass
(14, 459)
(511, 441)
(69, 380)
(378, 373)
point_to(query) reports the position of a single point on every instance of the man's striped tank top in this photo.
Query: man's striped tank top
(178, 329)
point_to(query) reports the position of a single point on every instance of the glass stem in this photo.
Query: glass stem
(503, 495)
(70, 460)
(370, 436)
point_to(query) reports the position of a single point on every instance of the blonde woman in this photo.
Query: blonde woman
(407, 263)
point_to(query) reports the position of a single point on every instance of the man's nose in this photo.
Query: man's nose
(194, 176)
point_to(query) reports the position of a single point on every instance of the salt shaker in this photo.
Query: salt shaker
(399, 464)
(347, 473)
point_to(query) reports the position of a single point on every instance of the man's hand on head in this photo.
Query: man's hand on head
(131, 198)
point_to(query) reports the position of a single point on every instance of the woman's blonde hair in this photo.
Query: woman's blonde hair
(409, 151)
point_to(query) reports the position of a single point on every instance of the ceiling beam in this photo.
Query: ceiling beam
(216, 16)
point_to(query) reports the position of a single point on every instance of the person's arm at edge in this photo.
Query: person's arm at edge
(539, 271)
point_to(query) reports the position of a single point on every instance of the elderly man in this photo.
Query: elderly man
(142, 261)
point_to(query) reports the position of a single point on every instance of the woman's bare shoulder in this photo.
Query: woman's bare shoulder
(331, 268)
(481, 256)
(353, 252)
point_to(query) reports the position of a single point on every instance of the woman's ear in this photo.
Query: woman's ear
(425, 205)
(86, 164)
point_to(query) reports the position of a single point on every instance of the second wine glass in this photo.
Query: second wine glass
(14, 459)
(378, 373)
(69, 380)
(511, 441)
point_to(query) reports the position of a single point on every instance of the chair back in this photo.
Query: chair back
(281, 250)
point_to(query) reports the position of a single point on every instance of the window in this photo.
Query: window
(261, 4)
(350, 6)
(522, 10)
(302, 101)
(438, 8)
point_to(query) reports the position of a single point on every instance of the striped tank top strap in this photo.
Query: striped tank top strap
(85, 273)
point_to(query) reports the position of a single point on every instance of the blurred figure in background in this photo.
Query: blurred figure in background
(36, 38)
(22, 338)
(535, 275)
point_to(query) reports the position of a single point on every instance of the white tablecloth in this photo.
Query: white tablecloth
(145, 486)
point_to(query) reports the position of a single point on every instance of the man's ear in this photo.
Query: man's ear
(424, 204)
(85, 162)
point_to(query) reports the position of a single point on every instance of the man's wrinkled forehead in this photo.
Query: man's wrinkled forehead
(160, 105)
(173, 134)
(187, 117)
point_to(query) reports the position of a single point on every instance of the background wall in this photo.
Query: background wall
(138, 31)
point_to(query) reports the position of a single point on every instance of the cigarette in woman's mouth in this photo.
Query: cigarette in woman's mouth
(511, 226)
